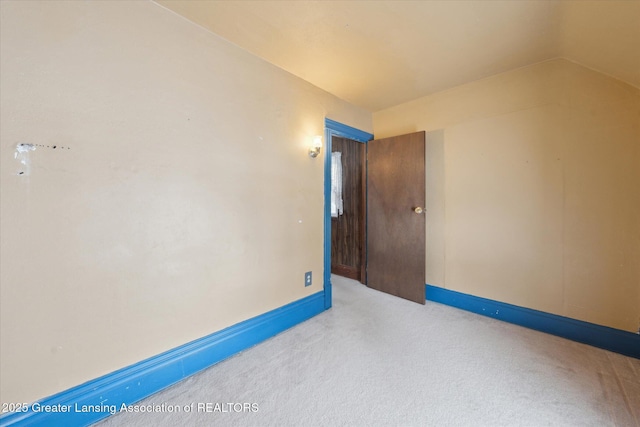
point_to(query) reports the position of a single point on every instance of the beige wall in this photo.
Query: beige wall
(185, 202)
(533, 190)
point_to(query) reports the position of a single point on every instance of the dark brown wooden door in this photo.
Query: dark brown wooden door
(347, 230)
(395, 225)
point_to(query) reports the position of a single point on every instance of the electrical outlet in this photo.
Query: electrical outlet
(307, 278)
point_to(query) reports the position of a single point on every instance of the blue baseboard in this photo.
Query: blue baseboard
(615, 340)
(133, 383)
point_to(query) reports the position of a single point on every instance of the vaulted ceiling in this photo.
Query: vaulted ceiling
(376, 54)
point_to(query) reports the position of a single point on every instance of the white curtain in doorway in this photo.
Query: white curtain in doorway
(336, 184)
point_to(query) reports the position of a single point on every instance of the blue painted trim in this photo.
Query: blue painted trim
(135, 382)
(615, 340)
(345, 131)
(327, 220)
(333, 128)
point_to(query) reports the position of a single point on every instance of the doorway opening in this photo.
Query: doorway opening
(383, 243)
(348, 208)
(340, 131)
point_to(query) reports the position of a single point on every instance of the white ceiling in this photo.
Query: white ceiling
(377, 54)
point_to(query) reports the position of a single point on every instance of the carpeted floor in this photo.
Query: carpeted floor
(376, 360)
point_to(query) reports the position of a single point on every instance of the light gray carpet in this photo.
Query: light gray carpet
(376, 360)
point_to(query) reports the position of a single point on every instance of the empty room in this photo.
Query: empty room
(320, 213)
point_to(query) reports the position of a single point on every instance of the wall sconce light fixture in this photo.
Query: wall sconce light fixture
(315, 147)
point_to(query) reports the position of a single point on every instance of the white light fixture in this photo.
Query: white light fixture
(315, 147)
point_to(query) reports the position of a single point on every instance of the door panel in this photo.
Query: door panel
(395, 232)
(347, 230)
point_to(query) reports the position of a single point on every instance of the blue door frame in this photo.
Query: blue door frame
(333, 128)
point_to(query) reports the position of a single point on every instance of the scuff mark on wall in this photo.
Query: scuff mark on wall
(22, 155)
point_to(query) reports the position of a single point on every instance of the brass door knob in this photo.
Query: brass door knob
(419, 210)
